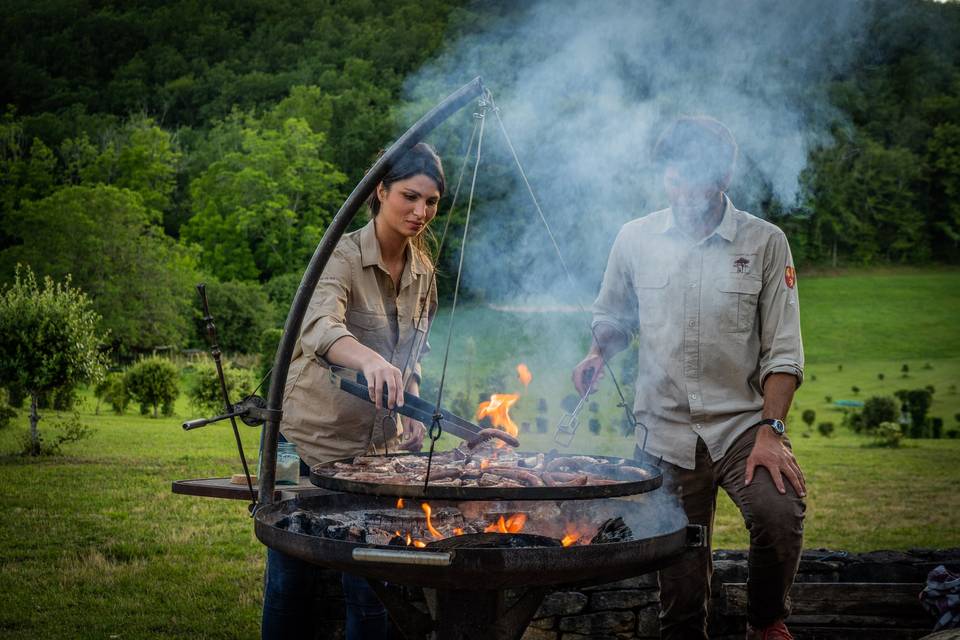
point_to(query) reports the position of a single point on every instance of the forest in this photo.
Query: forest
(147, 147)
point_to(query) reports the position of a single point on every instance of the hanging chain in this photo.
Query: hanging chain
(623, 401)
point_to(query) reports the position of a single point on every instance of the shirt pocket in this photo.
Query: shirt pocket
(368, 327)
(738, 299)
(651, 291)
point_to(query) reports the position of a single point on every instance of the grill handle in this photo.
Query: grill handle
(389, 556)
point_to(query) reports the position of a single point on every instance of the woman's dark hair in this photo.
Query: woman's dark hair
(702, 146)
(421, 159)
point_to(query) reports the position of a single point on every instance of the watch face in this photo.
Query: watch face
(778, 426)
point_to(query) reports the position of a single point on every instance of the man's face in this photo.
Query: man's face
(690, 194)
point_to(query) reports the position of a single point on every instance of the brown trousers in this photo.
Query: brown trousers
(775, 523)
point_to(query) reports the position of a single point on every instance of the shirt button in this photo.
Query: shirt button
(692, 285)
(692, 323)
(699, 426)
(693, 396)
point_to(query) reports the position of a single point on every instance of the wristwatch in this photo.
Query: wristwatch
(779, 426)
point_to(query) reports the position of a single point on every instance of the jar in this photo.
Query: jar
(288, 464)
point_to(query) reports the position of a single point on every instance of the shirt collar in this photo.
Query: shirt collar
(370, 253)
(727, 229)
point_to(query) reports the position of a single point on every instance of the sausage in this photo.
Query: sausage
(487, 434)
(519, 475)
(443, 473)
(570, 462)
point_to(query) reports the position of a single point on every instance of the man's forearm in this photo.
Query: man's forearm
(778, 390)
(608, 341)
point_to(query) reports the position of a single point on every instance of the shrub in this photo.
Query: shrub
(880, 376)
(953, 434)
(205, 394)
(879, 409)
(809, 416)
(904, 370)
(813, 377)
(48, 339)
(855, 389)
(825, 429)
(7, 414)
(113, 391)
(936, 428)
(887, 434)
(839, 367)
(956, 417)
(918, 403)
(594, 426)
(828, 399)
(153, 383)
(64, 432)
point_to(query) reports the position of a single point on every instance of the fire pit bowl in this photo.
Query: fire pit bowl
(659, 536)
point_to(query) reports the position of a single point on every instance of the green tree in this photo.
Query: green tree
(205, 393)
(261, 209)
(48, 340)
(879, 409)
(808, 416)
(113, 390)
(241, 312)
(138, 279)
(153, 382)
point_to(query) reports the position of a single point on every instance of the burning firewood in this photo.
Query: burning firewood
(613, 530)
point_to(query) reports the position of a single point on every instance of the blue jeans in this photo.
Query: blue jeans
(290, 589)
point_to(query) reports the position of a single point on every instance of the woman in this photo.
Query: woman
(369, 312)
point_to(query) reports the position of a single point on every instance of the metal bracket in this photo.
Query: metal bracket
(696, 536)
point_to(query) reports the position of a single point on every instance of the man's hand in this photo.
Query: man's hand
(413, 433)
(770, 452)
(584, 372)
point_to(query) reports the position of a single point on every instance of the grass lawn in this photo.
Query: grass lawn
(95, 545)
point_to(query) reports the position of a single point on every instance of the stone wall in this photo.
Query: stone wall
(838, 596)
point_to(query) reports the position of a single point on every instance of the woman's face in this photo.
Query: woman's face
(407, 206)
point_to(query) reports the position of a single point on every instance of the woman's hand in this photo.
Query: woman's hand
(584, 372)
(413, 433)
(379, 374)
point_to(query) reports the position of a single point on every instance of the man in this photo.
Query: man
(710, 294)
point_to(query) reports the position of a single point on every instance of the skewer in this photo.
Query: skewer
(570, 422)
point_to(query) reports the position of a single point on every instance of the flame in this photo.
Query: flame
(524, 374)
(399, 503)
(513, 524)
(408, 539)
(419, 544)
(484, 464)
(457, 531)
(569, 539)
(498, 410)
(426, 509)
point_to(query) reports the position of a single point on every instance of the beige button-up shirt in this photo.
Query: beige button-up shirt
(713, 319)
(355, 297)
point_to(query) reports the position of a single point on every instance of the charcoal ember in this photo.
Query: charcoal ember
(308, 523)
(612, 530)
(397, 541)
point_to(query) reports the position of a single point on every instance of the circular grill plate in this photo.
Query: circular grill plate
(321, 476)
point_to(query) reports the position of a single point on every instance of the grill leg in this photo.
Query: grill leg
(483, 615)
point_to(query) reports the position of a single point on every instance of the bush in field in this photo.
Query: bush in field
(48, 340)
(855, 389)
(64, 432)
(879, 409)
(825, 429)
(918, 402)
(153, 383)
(887, 434)
(828, 399)
(880, 376)
(113, 391)
(953, 434)
(936, 428)
(905, 370)
(7, 414)
(205, 393)
(853, 420)
(809, 416)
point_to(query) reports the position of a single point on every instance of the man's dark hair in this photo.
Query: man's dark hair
(421, 159)
(700, 146)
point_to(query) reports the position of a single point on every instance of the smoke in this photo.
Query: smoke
(585, 88)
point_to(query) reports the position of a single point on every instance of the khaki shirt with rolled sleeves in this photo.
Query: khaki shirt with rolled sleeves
(712, 318)
(356, 297)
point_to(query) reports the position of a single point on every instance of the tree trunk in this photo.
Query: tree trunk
(34, 433)
(834, 253)
(155, 411)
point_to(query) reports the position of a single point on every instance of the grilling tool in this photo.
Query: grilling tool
(413, 407)
(567, 427)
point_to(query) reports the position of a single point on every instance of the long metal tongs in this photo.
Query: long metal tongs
(570, 422)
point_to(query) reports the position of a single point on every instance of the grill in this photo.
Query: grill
(485, 557)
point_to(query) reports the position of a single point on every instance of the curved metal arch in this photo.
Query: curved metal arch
(291, 330)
